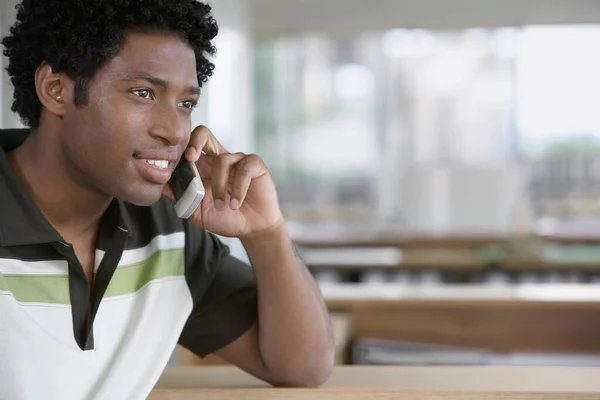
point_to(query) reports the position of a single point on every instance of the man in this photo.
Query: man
(99, 278)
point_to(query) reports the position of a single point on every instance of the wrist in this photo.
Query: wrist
(274, 233)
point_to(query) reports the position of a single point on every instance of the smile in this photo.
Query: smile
(160, 164)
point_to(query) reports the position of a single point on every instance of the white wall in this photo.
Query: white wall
(226, 105)
(7, 118)
(465, 199)
(228, 96)
(346, 17)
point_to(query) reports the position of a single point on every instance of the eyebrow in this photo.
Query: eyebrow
(159, 82)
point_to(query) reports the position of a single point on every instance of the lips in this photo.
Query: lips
(170, 156)
(156, 166)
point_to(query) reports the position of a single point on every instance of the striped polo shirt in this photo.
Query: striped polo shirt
(159, 281)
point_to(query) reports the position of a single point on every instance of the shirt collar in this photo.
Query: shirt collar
(22, 222)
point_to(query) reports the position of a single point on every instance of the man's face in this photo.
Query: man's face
(127, 140)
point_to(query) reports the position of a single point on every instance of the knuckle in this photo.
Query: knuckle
(204, 129)
(239, 184)
(201, 133)
(224, 159)
(244, 169)
(255, 160)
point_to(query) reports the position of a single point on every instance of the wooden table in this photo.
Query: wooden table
(377, 382)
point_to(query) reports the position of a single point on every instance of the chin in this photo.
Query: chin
(142, 198)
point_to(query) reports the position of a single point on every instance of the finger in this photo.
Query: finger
(205, 166)
(167, 191)
(198, 139)
(249, 168)
(202, 140)
(221, 171)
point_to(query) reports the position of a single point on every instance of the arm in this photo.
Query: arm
(292, 343)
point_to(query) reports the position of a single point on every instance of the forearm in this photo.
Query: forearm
(295, 338)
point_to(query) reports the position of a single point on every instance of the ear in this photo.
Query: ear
(51, 89)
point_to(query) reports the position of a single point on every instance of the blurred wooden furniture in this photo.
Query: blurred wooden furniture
(456, 253)
(500, 326)
(508, 318)
(547, 319)
(411, 383)
(570, 327)
(391, 239)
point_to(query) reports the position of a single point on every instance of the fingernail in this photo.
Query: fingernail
(219, 204)
(235, 204)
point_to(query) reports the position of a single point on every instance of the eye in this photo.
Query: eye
(188, 104)
(144, 93)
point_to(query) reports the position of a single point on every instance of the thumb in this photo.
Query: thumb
(167, 191)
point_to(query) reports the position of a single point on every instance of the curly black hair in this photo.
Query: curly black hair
(77, 37)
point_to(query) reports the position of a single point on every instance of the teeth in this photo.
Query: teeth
(162, 164)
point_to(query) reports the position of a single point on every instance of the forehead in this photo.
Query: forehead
(164, 56)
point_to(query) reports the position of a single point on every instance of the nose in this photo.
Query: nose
(167, 126)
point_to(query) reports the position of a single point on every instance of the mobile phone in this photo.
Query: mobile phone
(187, 188)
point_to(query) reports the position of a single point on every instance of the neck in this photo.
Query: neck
(72, 209)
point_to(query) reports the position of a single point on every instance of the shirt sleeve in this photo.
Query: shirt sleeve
(224, 292)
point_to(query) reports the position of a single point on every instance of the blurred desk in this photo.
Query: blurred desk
(349, 237)
(503, 294)
(506, 326)
(410, 383)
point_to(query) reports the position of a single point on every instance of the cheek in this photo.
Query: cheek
(187, 127)
(132, 122)
(102, 135)
(118, 123)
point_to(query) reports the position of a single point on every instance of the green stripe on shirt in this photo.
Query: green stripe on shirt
(128, 279)
(37, 288)
(131, 278)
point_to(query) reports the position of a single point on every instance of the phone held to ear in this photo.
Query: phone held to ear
(187, 188)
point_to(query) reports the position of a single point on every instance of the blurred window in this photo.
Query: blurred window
(340, 120)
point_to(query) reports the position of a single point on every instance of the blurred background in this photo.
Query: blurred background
(438, 162)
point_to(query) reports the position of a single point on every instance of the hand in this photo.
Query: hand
(240, 199)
